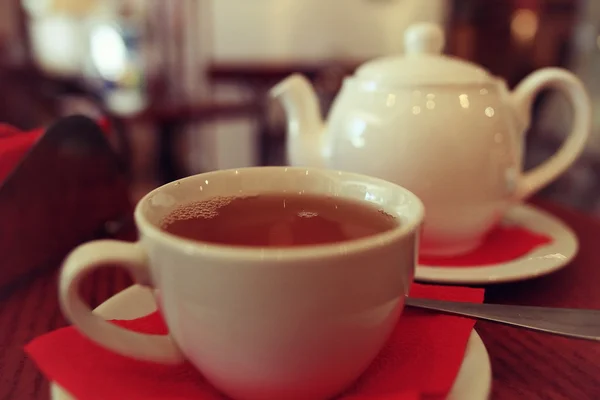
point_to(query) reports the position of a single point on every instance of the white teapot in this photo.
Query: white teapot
(443, 128)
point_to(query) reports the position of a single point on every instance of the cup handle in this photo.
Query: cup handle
(80, 263)
(524, 95)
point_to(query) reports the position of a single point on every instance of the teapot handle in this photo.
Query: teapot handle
(524, 95)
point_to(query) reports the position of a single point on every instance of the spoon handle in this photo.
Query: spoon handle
(573, 323)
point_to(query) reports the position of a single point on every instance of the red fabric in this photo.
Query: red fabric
(503, 244)
(421, 359)
(106, 126)
(14, 144)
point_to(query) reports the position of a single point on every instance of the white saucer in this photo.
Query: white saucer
(541, 261)
(473, 382)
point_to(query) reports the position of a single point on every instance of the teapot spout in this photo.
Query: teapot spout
(305, 128)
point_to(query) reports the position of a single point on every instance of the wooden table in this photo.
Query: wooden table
(529, 365)
(525, 365)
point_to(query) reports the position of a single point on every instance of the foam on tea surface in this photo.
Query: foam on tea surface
(276, 220)
(205, 209)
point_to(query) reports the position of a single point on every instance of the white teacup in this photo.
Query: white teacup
(260, 323)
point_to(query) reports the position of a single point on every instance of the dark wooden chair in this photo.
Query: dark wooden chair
(258, 78)
(69, 188)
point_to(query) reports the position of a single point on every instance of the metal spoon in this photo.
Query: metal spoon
(573, 323)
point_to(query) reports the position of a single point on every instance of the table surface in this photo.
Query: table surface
(526, 365)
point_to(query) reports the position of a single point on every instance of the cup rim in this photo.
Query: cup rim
(221, 251)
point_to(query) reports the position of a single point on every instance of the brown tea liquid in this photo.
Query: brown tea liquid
(277, 220)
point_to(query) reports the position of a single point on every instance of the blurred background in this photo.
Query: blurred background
(184, 82)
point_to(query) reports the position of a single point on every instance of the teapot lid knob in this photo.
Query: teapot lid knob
(424, 38)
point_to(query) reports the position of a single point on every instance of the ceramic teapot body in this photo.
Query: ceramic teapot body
(461, 158)
(457, 143)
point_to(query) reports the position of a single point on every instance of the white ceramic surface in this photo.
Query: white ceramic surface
(541, 261)
(443, 128)
(317, 314)
(473, 382)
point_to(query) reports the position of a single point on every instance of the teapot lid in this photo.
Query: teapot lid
(423, 62)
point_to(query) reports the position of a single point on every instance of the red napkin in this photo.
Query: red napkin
(14, 144)
(503, 244)
(421, 359)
